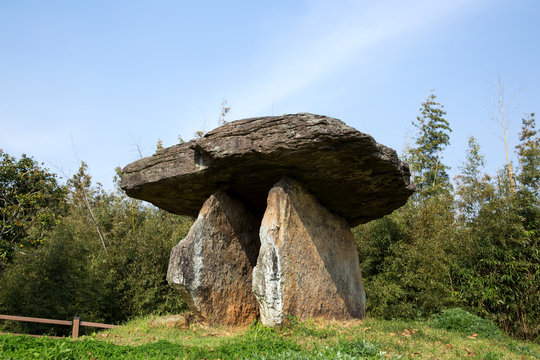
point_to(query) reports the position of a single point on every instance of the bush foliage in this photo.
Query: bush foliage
(73, 273)
(31, 202)
(464, 322)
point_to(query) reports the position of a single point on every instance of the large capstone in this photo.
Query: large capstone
(212, 267)
(308, 263)
(346, 170)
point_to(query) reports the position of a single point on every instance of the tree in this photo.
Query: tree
(472, 187)
(529, 177)
(31, 202)
(500, 258)
(529, 155)
(504, 124)
(81, 192)
(504, 270)
(406, 259)
(429, 173)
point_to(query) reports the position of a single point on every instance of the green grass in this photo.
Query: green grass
(449, 337)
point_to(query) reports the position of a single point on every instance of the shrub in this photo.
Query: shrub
(406, 262)
(464, 322)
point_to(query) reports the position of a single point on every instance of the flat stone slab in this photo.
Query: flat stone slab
(346, 170)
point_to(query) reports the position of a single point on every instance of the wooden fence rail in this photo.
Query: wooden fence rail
(75, 324)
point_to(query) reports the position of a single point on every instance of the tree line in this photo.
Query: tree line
(473, 244)
(75, 249)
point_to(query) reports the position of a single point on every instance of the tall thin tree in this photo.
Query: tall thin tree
(501, 101)
(425, 157)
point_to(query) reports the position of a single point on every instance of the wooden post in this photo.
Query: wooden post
(75, 331)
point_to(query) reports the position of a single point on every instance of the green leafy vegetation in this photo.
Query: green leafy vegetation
(476, 248)
(31, 202)
(425, 159)
(462, 321)
(105, 261)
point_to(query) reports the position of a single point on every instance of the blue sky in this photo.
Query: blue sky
(96, 80)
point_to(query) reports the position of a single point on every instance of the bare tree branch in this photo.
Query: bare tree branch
(504, 125)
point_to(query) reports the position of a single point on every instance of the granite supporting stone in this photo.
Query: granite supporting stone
(212, 267)
(308, 264)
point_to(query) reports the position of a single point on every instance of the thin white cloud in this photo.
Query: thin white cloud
(309, 53)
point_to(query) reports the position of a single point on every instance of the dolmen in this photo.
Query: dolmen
(274, 200)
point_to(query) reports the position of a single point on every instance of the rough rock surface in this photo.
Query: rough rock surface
(212, 266)
(346, 170)
(308, 262)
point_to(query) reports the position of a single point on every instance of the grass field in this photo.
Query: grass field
(454, 337)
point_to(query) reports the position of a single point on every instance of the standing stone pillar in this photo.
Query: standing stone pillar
(308, 263)
(212, 266)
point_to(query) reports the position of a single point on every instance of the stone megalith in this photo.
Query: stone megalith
(308, 263)
(346, 170)
(212, 267)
